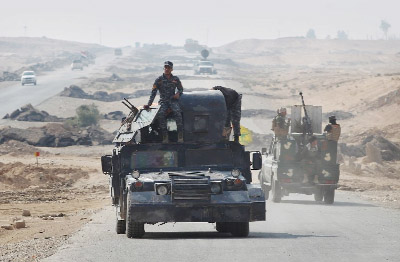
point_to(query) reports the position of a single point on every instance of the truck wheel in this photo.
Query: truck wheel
(319, 195)
(121, 226)
(329, 196)
(239, 229)
(134, 229)
(222, 227)
(276, 192)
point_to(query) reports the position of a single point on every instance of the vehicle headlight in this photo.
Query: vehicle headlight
(216, 188)
(136, 174)
(162, 190)
(236, 173)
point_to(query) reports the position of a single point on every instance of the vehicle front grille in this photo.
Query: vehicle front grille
(191, 188)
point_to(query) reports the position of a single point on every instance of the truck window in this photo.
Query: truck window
(209, 157)
(150, 159)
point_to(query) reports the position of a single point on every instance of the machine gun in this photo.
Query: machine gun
(132, 114)
(307, 128)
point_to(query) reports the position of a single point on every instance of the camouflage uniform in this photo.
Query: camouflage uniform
(280, 126)
(233, 102)
(166, 87)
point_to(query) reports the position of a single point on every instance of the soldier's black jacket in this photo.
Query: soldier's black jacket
(166, 87)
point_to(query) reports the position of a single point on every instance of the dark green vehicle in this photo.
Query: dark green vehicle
(203, 179)
(285, 170)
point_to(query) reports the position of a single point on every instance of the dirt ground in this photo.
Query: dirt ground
(67, 186)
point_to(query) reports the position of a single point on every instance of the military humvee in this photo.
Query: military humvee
(284, 169)
(203, 179)
(204, 66)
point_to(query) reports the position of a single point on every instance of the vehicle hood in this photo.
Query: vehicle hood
(28, 76)
(167, 175)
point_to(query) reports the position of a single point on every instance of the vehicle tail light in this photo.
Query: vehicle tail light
(237, 182)
(138, 184)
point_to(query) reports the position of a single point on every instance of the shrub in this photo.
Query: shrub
(87, 115)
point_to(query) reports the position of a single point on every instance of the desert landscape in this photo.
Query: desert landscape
(47, 198)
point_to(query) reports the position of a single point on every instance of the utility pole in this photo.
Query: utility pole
(100, 35)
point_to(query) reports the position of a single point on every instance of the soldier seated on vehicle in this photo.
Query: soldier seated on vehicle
(280, 125)
(233, 102)
(310, 160)
(166, 85)
(332, 129)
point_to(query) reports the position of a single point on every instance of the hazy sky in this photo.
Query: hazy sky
(212, 22)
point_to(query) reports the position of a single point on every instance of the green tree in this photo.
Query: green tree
(311, 34)
(342, 35)
(87, 115)
(385, 27)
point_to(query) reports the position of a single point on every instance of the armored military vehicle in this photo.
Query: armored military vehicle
(285, 170)
(204, 66)
(203, 179)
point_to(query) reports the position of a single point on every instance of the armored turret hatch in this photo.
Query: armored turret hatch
(204, 114)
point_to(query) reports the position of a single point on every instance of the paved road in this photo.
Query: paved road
(298, 229)
(48, 85)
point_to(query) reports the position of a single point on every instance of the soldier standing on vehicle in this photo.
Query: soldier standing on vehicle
(280, 125)
(332, 129)
(310, 160)
(166, 85)
(233, 102)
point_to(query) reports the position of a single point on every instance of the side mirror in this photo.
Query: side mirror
(263, 151)
(106, 164)
(257, 161)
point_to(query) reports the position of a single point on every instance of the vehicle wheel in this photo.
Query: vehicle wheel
(329, 196)
(276, 192)
(121, 226)
(239, 229)
(34, 83)
(222, 227)
(22, 84)
(319, 195)
(134, 229)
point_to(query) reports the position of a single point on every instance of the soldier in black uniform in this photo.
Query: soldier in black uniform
(233, 102)
(166, 85)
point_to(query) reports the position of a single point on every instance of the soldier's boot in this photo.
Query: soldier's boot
(165, 137)
(180, 136)
(316, 179)
(236, 139)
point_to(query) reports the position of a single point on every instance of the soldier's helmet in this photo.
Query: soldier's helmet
(169, 63)
(282, 111)
(332, 119)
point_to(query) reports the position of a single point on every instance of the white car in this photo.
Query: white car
(28, 77)
(204, 67)
(77, 65)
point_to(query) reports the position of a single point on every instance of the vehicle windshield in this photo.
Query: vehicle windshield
(154, 159)
(146, 115)
(206, 63)
(30, 73)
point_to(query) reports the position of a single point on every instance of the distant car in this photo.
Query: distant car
(77, 65)
(118, 51)
(204, 67)
(28, 77)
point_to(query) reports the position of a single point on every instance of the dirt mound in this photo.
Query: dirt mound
(57, 135)
(389, 151)
(77, 92)
(115, 115)
(389, 99)
(17, 148)
(9, 76)
(29, 113)
(340, 115)
(20, 176)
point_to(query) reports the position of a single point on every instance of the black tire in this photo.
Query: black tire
(319, 195)
(134, 229)
(222, 227)
(329, 196)
(239, 229)
(276, 192)
(121, 227)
